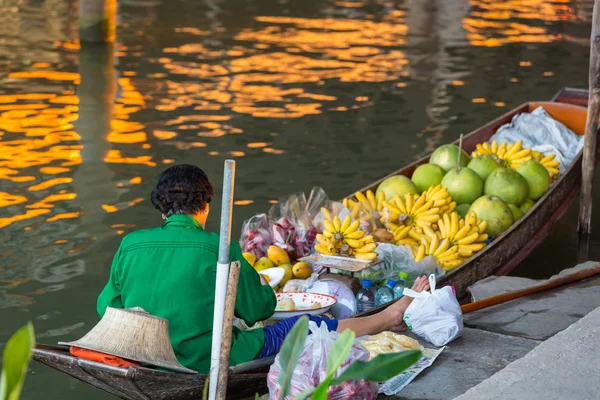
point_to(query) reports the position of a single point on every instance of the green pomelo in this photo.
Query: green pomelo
(464, 185)
(396, 185)
(463, 209)
(537, 178)
(507, 184)
(495, 212)
(516, 211)
(484, 165)
(527, 205)
(427, 175)
(446, 157)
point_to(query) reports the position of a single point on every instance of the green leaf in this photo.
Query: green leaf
(340, 349)
(321, 390)
(17, 354)
(290, 352)
(305, 393)
(381, 368)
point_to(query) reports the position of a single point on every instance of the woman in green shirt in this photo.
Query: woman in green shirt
(170, 272)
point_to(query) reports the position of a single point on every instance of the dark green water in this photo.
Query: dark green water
(316, 93)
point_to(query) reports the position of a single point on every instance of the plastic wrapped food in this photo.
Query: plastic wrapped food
(389, 342)
(299, 285)
(255, 237)
(398, 259)
(292, 226)
(312, 369)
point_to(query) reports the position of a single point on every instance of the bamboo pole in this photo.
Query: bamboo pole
(591, 128)
(222, 277)
(554, 283)
(97, 21)
(232, 285)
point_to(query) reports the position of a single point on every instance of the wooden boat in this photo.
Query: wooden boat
(500, 257)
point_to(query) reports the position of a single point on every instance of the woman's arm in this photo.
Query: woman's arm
(111, 295)
(254, 301)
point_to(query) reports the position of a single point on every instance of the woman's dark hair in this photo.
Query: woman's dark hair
(182, 189)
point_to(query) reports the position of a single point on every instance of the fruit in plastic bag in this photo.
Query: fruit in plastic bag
(255, 237)
(312, 369)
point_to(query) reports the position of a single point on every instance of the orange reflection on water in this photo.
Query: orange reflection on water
(272, 83)
(492, 23)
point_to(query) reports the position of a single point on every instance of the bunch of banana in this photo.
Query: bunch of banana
(345, 238)
(402, 236)
(413, 210)
(511, 155)
(548, 162)
(463, 234)
(444, 252)
(441, 198)
(369, 201)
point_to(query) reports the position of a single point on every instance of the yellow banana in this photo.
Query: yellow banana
(371, 199)
(329, 226)
(326, 213)
(345, 224)
(354, 235)
(367, 248)
(352, 228)
(468, 239)
(365, 256)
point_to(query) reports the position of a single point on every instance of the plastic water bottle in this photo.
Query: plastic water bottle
(386, 293)
(400, 285)
(365, 299)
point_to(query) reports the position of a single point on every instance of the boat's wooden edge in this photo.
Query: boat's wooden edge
(44, 353)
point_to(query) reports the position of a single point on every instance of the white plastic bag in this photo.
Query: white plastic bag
(312, 369)
(435, 316)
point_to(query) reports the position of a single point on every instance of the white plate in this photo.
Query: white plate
(275, 275)
(303, 301)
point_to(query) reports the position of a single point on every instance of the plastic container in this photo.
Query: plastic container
(385, 294)
(400, 285)
(365, 298)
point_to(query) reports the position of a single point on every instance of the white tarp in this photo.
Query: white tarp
(539, 131)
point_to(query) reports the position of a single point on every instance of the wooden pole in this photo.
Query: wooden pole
(97, 21)
(222, 278)
(232, 285)
(502, 298)
(591, 128)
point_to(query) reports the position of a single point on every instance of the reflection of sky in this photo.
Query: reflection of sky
(203, 90)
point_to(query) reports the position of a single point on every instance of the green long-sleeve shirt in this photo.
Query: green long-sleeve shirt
(170, 272)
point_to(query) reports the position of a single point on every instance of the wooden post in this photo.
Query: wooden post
(232, 285)
(591, 128)
(97, 21)
(221, 292)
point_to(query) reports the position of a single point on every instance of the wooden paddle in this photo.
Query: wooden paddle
(554, 283)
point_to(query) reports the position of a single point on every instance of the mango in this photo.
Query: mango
(302, 270)
(263, 263)
(278, 255)
(251, 258)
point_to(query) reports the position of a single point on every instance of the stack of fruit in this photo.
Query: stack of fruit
(453, 205)
(344, 238)
(277, 257)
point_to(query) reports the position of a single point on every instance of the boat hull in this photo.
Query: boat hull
(498, 258)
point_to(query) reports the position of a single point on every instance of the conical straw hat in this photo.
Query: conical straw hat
(132, 334)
